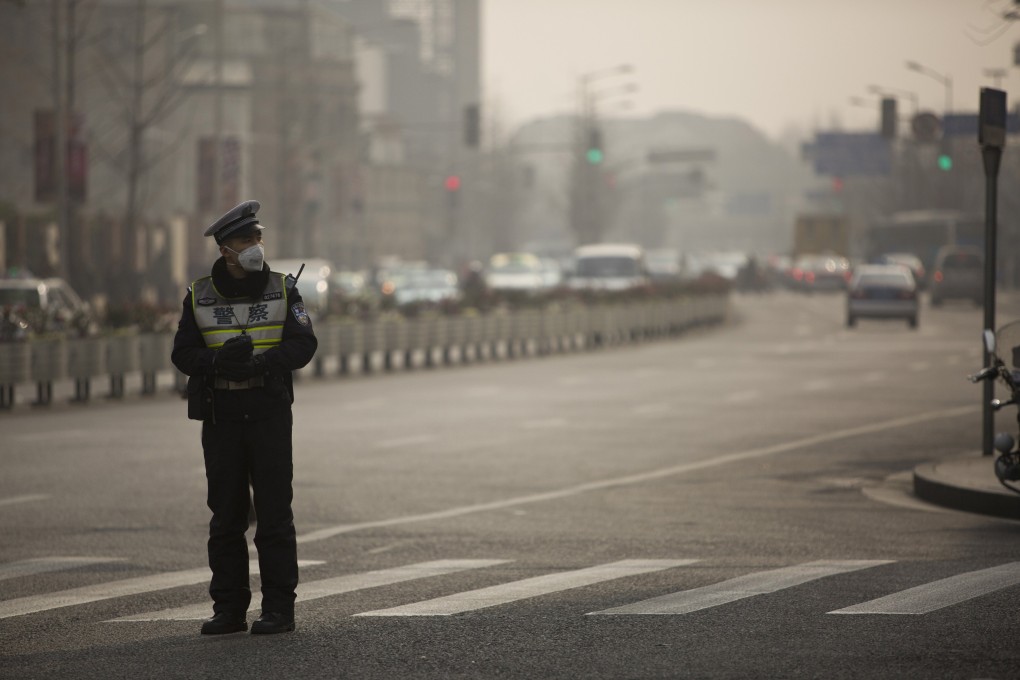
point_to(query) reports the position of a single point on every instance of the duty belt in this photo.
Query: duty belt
(224, 384)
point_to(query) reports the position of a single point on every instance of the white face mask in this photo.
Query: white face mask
(251, 258)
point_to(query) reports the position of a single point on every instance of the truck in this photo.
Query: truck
(820, 234)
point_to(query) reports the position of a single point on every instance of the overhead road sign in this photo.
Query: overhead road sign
(846, 154)
(966, 124)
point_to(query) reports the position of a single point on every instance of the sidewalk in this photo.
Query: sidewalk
(966, 483)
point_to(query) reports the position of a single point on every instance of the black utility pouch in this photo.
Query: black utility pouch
(200, 399)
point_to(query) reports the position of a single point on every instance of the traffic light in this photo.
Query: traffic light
(452, 183)
(472, 125)
(888, 118)
(944, 161)
(594, 153)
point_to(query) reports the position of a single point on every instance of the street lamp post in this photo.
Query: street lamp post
(946, 80)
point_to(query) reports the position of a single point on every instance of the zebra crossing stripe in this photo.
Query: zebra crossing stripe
(46, 564)
(105, 591)
(938, 594)
(527, 588)
(760, 583)
(330, 586)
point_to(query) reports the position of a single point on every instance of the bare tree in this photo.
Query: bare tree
(141, 71)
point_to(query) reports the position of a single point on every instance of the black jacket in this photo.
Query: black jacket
(191, 356)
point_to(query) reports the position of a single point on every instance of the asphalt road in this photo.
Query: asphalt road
(729, 504)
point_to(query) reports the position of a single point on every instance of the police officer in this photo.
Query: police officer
(243, 330)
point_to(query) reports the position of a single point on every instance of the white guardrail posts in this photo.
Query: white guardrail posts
(351, 342)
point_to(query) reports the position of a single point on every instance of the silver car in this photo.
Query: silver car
(882, 292)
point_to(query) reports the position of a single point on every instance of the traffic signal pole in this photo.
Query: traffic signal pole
(992, 137)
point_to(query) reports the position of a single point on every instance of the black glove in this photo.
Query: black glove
(240, 370)
(231, 369)
(237, 348)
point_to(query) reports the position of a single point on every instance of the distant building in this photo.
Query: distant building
(347, 156)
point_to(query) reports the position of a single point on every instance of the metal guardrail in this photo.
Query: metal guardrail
(354, 343)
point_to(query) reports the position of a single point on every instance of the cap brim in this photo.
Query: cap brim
(243, 228)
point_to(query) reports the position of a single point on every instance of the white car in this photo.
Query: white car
(46, 305)
(609, 266)
(313, 284)
(882, 292)
(522, 272)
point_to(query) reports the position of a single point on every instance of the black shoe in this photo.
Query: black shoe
(225, 622)
(272, 622)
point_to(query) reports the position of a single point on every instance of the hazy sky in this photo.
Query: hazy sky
(775, 63)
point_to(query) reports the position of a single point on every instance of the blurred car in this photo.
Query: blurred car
(609, 266)
(552, 272)
(725, 264)
(958, 272)
(348, 288)
(821, 272)
(778, 270)
(515, 272)
(663, 264)
(350, 284)
(43, 305)
(313, 284)
(881, 291)
(910, 261)
(423, 285)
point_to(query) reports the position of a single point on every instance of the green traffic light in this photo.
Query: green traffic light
(594, 156)
(945, 162)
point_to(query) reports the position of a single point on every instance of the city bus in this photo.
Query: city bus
(923, 232)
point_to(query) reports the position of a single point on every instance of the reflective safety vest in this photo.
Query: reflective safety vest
(220, 318)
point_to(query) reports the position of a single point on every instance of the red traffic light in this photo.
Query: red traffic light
(452, 183)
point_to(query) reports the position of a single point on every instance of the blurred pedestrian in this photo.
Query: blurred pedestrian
(242, 331)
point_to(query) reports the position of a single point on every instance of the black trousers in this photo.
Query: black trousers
(260, 452)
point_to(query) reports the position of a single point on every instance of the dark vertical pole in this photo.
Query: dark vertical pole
(992, 157)
(992, 138)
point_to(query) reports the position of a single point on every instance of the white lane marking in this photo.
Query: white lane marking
(27, 498)
(331, 586)
(759, 583)
(741, 397)
(43, 565)
(531, 587)
(641, 477)
(105, 591)
(414, 440)
(943, 593)
(544, 424)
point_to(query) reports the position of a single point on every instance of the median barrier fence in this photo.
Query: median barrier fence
(350, 343)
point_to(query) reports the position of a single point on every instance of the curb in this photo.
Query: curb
(967, 484)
